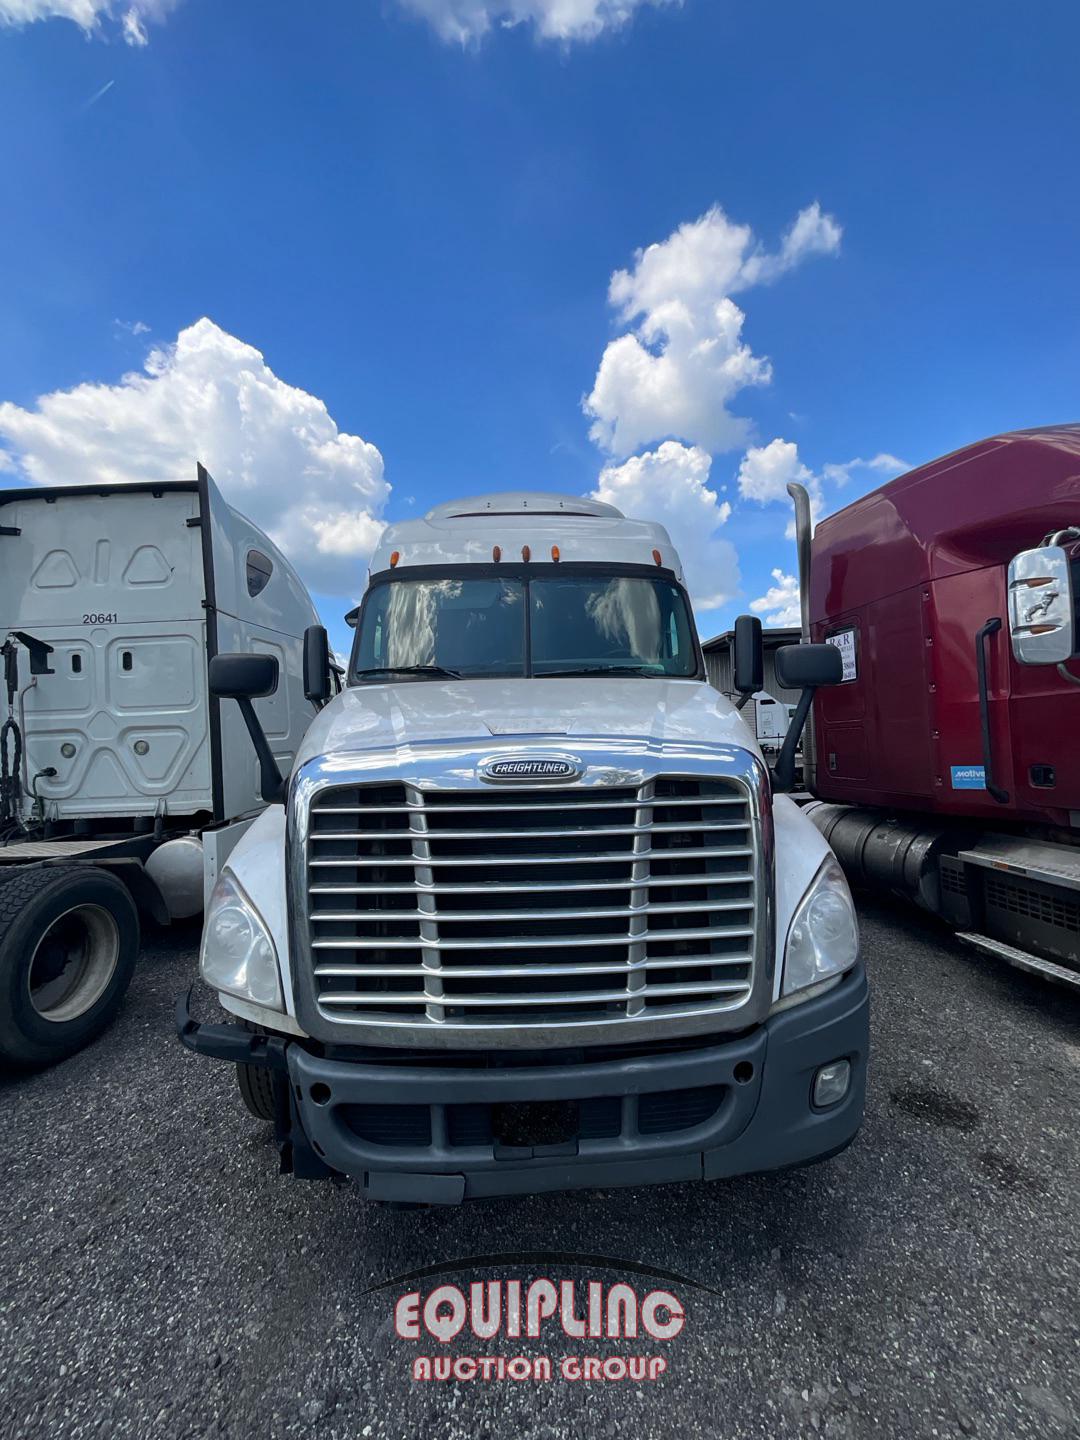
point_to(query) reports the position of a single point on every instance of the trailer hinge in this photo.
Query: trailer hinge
(10, 530)
(194, 522)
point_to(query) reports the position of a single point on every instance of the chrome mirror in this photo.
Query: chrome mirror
(1041, 613)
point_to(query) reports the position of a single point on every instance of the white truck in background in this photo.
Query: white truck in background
(534, 913)
(771, 718)
(124, 781)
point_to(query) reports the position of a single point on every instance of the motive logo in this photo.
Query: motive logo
(530, 767)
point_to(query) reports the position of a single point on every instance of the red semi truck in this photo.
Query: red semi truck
(946, 766)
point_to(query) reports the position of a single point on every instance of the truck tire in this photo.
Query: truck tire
(256, 1085)
(69, 938)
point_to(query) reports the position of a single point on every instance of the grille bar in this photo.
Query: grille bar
(554, 906)
(529, 802)
(504, 972)
(543, 942)
(493, 1002)
(737, 852)
(535, 833)
(449, 917)
(558, 887)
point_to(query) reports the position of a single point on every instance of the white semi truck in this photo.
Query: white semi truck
(534, 913)
(123, 777)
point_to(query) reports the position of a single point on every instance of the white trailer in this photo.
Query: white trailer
(121, 771)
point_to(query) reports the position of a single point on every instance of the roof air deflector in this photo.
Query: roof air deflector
(523, 502)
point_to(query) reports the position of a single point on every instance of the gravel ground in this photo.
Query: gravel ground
(159, 1279)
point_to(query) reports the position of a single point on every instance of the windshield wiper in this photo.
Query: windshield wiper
(440, 671)
(598, 670)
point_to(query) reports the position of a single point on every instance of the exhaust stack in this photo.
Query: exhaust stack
(803, 535)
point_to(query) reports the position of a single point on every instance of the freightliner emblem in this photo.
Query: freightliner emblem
(533, 767)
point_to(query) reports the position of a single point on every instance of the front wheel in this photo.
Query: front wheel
(255, 1084)
(69, 938)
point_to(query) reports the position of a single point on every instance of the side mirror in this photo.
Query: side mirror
(805, 668)
(1042, 619)
(250, 677)
(749, 669)
(316, 665)
(244, 678)
(799, 666)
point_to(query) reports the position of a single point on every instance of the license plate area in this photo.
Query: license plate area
(535, 1127)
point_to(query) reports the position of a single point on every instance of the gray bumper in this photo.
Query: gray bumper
(757, 1084)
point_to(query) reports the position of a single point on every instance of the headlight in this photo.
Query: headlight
(824, 937)
(237, 953)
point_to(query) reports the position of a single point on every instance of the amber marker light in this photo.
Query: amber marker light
(525, 553)
(656, 557)
(496, 553)
(394, 558)
(555, 553)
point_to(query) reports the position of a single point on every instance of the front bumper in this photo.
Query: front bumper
(437, 1134)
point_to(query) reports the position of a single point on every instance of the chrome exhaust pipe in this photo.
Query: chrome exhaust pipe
(803, 536)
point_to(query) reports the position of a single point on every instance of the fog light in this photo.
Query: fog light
(831, 1083)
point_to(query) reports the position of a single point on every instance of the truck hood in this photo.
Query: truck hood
(397, 716)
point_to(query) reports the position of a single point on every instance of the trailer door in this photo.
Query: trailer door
(113, 581)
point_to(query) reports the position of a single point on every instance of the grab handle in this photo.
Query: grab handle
(990, 628)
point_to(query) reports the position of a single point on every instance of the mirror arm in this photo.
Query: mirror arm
(784, 769)
(271, 784)
(1068, 675)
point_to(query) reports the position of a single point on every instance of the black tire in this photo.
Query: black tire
(256, 1085)
(69, 938)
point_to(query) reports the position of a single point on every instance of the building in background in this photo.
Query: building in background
(769, 711)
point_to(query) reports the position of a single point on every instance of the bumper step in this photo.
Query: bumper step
(1034, 964)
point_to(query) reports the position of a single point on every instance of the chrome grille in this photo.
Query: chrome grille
(531, 907)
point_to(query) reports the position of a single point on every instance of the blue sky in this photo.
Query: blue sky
(421, 234)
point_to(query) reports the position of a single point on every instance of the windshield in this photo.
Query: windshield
(536, 624)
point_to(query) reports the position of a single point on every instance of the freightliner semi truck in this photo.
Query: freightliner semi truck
(530, 912)
(124, 779)
(947, 761)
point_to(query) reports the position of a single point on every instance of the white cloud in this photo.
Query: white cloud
(93, 16)
(812, 233)
(676, 372)
(669, 485)
(463, 21)
(766, 470)
(459, 21)
(887, 466)
(273, 449)
(780, 603)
